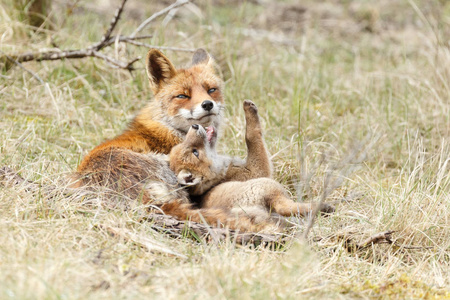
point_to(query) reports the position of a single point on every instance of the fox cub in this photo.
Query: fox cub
(222, 184)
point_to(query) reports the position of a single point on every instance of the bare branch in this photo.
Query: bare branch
(144, 24)
(112, 25)
(93, 50)
(121, 39)
(114, 62)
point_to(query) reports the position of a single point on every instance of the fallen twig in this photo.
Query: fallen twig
(378, 238)
(384, 237)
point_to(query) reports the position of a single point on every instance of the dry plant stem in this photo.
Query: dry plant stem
(162, 223)
(144, 24)
(356, 156)
(316, 210)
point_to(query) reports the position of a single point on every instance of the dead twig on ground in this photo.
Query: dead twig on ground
(384, 237)
(94, 50)
(381, 237)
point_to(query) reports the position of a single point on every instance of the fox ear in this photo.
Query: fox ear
(201, 57)
(159, 69)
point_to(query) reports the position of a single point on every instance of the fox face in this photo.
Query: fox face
(192, 159)
(186, 96)
(195, 161)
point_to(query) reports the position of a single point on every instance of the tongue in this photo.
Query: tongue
(210, 131)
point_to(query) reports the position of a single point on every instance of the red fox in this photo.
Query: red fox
(198, 166)
(133, 164)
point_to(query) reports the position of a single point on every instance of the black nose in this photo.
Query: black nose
(189, 178)
(207, 105)
(195, 126)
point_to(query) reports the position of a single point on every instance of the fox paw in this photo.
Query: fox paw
(327, 208)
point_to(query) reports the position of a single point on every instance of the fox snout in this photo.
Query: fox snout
(199, 130)
(207, 105)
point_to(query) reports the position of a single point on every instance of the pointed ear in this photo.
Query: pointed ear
(201, 57)
(159, 69)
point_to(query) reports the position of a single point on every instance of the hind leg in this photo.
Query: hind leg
(260, 192)
(266, 192)
(286, 207)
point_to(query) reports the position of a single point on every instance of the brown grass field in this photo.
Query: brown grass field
(355, 100)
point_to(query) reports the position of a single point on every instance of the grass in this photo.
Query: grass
(345, 74)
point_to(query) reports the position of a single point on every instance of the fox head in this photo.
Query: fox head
(186, 96)
(194, 160)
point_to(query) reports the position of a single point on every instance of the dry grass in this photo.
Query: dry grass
(328, 78)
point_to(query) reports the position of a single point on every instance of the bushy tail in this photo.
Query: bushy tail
(213, 216)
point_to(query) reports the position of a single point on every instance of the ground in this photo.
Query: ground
(354, 98)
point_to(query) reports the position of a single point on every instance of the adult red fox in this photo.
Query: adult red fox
(133, 165)
(197, 165)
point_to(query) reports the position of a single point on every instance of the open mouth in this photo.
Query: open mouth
(206, 134)
(211, 134)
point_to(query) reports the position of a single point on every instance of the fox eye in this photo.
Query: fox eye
(210, 91)
(182, 96)
(195, 152)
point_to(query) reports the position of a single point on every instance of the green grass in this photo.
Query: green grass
(353, 74)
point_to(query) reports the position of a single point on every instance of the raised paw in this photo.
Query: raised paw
(251, 118)
(250, 107)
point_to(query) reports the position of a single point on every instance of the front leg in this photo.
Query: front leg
(258, 163)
